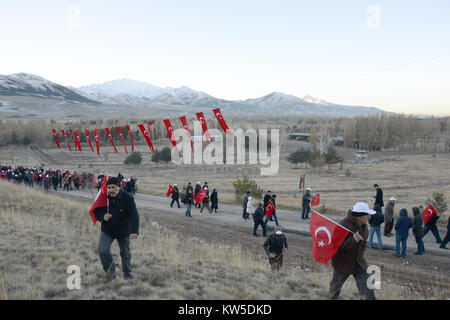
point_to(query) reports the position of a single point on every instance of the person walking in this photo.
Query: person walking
(189, 201)
(205, 202)
(389, 217)
(175, 196)
(258, 217)
(276, 247)
(431, 226)
(306, 203)
(250, 206)
(120, 221)
(418, 230)
(198, 187)
(274, 213)
(447, 236)
(267, 198)
(379, 196)
(402, 226)
(245, 215)
(375, 221)
(349, 258)
(214, 201)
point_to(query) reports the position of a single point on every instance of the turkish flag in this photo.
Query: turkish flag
(74, 139)
(315, 201)
(221, 120)
(131, 137)
(202, 120)
(170, 132)
(270, 209)
(97, 140)
(78, 140)
(327, 236)
(185, 125)
(200, 196)
(147, 138)
(88, 137)
(101, 200)
(123, 140)
(302, 182)
(428, 213)
(170, 190)
(108, 132)
(67, 139)
(56, 139)
(149, 131)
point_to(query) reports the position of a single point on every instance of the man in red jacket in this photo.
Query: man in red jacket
(349, 259)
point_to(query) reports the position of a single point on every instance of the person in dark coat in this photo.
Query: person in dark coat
(175, 196)
(389, 217)
(258, 217)
(349, 258)
(418, 230)
(402, 226)
(205, 201)
(189, 201)
(431, 226)
(379, 196)
(198, 187)
(306, 204)
(375, 221)
(276, 247)
(267, 198)
(274, 213)
(120, 221)
(214, 201)
(245, 215)
(447, 236)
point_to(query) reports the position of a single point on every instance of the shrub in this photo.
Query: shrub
(133, 158)
(241, 186)
(439, 202)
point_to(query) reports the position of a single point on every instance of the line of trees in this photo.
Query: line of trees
(315, 158)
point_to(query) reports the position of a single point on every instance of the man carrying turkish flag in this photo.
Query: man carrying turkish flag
(200, 196)
(428, 213)
(170, 190)
(315, 201)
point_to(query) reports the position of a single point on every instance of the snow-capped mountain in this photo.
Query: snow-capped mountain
(310, 99)
(26, 84)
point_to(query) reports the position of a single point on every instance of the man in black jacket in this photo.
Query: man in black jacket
(120, 221)
(175, 196)
(275, 247)
(258, 218)
(379, 196)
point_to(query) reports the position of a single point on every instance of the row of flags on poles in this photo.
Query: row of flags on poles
(146, 132)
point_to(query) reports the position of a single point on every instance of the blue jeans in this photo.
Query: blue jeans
(434, 230)
(400, 239)
(274, 214)
(420, 246)
(378, 231)
(188, 209)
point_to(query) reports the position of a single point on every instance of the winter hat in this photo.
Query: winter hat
(113, 180)
(403, 212)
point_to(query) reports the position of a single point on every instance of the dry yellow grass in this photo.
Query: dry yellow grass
(41, 235)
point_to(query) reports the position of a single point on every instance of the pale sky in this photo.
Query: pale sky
(390, 54)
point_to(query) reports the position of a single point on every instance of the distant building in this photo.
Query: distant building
(361, 154)
(338, 141)
(303, 136)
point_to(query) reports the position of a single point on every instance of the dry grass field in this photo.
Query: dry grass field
(42, 234)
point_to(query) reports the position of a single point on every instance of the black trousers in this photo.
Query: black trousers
(360, 276)
(104, 246)
(178, 202)
(257, 224)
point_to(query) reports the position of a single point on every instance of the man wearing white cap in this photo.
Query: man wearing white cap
(275, 247)
(349, 258)
(389, 217)
(306, 204)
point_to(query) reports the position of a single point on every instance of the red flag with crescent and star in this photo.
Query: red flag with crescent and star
(221, 120)
(67, 139)
(185, 125)
(78, 139)
(149, 131)
(170, 132)
(88, 137)
(97, 140)
(101, 200)
(74, 139)
(428, 213)
(170, 190)
(327, 236)
(202, 120)
(147, 138)
(123, 140)
(108, 132)
(56, 139)
(315, 201)
(270, 209)
(131, 137)
(200, 196)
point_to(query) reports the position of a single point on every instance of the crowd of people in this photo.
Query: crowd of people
(189, 197)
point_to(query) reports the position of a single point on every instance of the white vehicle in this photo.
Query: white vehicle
(361, 154)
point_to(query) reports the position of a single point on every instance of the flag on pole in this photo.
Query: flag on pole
(221, 120)
(78, 140)
(67, 139)
(149, 131)
(315, 201)
(74, 139)
(147, 138)
(327, 236)
(170, 190)
(97, 140)
(108, 132)
(170, 132)
(56, 139)
(270, 209)
(101, 200)
(185, 125)
(131, 137)
(123, 140)
(428, 213)
(88, 137)
(202, 120)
